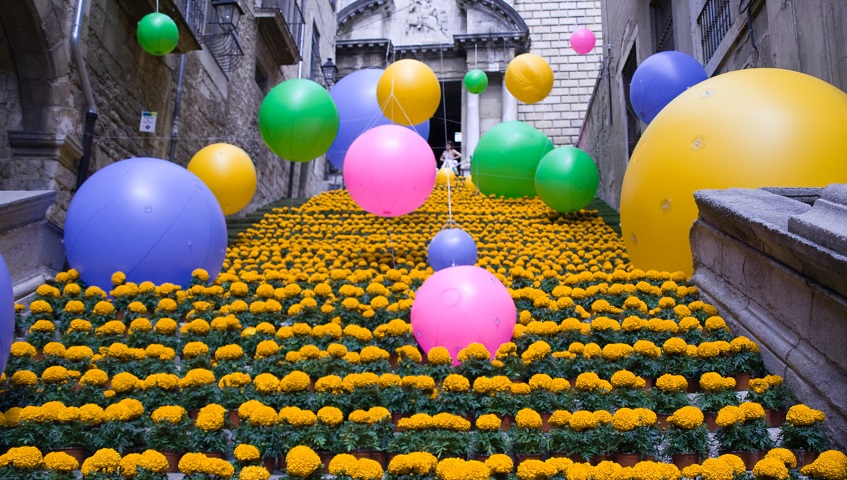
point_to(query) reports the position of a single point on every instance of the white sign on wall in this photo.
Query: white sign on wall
(148, 122)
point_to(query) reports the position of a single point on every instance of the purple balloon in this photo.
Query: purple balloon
(148, 218)
(358, 111)
(7, 314)
(661, 78)
(451, 247)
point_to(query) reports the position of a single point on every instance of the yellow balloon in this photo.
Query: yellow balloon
(744, 129)
(228, 172)
(408, 92)
(443, 175)
(529, 78)
(470, 185)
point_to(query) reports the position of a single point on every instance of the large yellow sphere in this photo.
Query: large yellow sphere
(744, 129)
(470, 185)
(444, 174)
(228, 172)
(529, 78)
(408, 92)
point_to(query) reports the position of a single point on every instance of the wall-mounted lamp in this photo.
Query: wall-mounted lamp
(329, 71)
(222, 38)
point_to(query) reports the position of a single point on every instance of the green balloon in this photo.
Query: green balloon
(476, 81)
(298, 120)
(506, 157)
(567, 179)
(157, 34)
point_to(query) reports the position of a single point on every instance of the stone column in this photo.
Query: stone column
(510, 104)
(472, 129)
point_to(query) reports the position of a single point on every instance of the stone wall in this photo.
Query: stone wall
(802, 36)
(217, 106)
(561, 114)
(774, 266)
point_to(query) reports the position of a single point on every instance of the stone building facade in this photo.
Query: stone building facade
(724, 35)
(455, 36)
(44, 101)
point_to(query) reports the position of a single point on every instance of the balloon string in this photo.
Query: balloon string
(475, 52)
(391, 247)
(157, 6)
(449, 202)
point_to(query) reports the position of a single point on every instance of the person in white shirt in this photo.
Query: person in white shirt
(450, 158)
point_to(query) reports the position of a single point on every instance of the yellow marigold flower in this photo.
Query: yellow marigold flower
(500, 464)
(488, 422)
(528, 418)
(229, 352)
(456, 383)
(440, 356)
(729, 415)
(60, 462)
(55, 374)
(302, 461)
(79, 325)
(23, 349)
(246, 453)
(582, 420)
(752, 411)
(40, 307)
(830, 465)
(784, 455)
(211, 418)
(770, 468)
(195, 349)
(94, 377)
(153, 461)
(535, 470)
(734, 462)
(688, 418)
(44, 326)
(800, 415)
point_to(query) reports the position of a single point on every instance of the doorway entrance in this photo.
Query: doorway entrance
(447, 120)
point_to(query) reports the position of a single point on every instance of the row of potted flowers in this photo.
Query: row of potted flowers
(302, 463)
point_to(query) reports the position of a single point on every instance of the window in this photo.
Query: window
(714, 21)
(633, 124)
(316, 74)
(261, 79)
(194, 12)
(662, 12)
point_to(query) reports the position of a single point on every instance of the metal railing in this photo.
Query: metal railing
(714, 22)
(293, 18)
(194, 12)
(663, 24)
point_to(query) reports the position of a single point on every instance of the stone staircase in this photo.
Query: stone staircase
(30, 244)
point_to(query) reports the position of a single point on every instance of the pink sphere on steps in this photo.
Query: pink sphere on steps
(461, 305)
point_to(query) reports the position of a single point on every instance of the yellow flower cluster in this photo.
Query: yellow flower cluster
(687, 418)
(199, 463)
(475, 351)
(800, 415)
(458, 469)
(830, 465)
(302, 461)
(415, 463)
(713, 382)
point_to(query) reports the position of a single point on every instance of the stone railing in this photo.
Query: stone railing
(775, 264)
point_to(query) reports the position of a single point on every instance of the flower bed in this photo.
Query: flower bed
(301, 349)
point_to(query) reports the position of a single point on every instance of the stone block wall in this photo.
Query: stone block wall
(561, 114)
(758, 257)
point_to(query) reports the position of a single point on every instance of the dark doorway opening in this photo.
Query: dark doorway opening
(447, 119)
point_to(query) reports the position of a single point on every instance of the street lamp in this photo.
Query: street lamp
(329, 71)
(228, 14)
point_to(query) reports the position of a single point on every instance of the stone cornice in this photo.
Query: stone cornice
(360, 7)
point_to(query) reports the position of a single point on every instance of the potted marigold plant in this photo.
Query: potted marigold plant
(475, 361)
(168, 429)
(687, 436)
(59, 466)
(198, 388)
(496, 395)
(296, 427)
(526, 436)
(455, 396)
(802, 430)
(669, 394)
(634, 435)
(439, 364)
(576, 435)
(628, 390)
(21, 463)
(302, 463)
(488, 438)
(258, 428)
(366, 430)
(507, 361)
(591, 392)
(717, 392)
(743, 429)
(197, 466)
(207, 433)
(325, 431)
(770, 392)
(122, 428)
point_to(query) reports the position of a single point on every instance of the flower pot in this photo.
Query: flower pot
(693, 385)
(480, 458)
(775, 417)
(648, 383)
(805, 457)
(393, 358)
(269, 463)
(280, 464)
(395, 419)
(749, 458)
(193, 413)
(506, 422)
(326, 457)
(709, 419)
(742, 382)
(662, 420)
(545, 422)
(596, 459)
(79, 454)
(522, 457)
(173, 461)
(682, 460)
(215, 455)
(626, 459)
(576, 458)
(233, 418)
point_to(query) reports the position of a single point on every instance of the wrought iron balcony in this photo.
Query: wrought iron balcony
(282, 26)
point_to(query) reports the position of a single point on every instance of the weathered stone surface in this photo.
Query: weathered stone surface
(781, 290)
(824, 223)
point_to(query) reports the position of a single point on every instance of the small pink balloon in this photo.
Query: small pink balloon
(461, 305)
(583, 41)
(389, 170)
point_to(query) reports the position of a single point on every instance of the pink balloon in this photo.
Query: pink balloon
(583, 41)
(461, 305)
(389, 170)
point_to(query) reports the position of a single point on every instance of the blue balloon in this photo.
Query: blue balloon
(7, 314)
(358, 111)
(661, 78)
(451, 247)
(151, 219)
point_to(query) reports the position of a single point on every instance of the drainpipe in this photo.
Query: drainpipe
(91, 112)
(178, 98)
